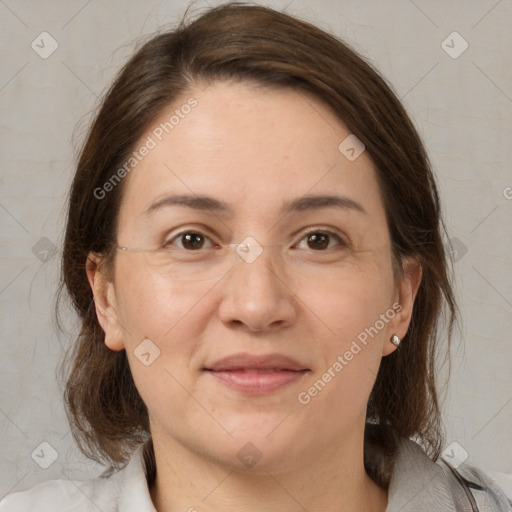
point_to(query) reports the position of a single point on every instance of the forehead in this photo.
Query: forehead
(254, 148)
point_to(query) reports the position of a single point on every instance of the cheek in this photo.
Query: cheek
(150, 305)
(353, 299)
(354, 311)
(151, 308)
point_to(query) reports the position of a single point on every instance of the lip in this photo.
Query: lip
(245, 361)
(256, 374)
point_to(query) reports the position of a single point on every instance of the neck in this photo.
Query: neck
(332, 481)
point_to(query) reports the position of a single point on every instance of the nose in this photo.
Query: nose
(256, 295)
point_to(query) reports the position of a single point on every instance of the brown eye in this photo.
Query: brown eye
(318, 240)
(188, 240)
(321, 240)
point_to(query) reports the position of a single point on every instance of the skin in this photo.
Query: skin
(255, 148)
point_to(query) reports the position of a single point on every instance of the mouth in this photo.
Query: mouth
(256, 375)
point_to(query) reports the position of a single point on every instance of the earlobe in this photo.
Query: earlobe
(406, 295)
(105, 303)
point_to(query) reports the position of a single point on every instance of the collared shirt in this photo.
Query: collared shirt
(417, 484)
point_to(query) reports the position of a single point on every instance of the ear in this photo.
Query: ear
(105, 302)
(403, 306)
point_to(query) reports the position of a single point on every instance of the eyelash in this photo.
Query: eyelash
(341, 242)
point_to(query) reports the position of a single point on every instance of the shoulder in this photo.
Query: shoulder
(491, 491)
(63, 495)
(418, 483)
(124, 490)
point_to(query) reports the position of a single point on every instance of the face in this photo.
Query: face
(279, 349)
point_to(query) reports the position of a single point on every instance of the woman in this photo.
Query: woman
(254, 248)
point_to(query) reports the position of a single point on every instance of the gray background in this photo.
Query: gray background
(462, 107)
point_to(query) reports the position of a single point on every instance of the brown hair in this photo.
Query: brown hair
(259, 45)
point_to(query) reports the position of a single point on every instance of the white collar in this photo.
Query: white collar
(133, 488)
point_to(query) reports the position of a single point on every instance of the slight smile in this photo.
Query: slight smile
(257, 374)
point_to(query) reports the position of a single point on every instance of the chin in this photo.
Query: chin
(261, 442)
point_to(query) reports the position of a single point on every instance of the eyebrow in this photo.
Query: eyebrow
(301, 204)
